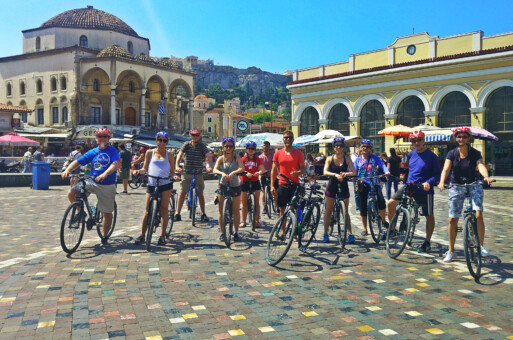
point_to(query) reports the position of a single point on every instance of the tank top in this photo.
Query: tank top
(337, 169)
(228, 168)
(159, 167)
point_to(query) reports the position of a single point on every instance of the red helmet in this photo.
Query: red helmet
(195, 132)
(416, 134)
(103, 132)
(460, 129)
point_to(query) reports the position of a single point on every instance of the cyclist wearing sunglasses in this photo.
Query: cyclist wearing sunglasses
(104, 161)
(194, 154)
(254, 168)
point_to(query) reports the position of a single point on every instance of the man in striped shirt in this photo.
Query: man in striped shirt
(194, 154)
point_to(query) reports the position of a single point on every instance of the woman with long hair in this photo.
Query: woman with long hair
(254, 168)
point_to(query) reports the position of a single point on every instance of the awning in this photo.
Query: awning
(45, 135)
(152, 143)
(437, 136)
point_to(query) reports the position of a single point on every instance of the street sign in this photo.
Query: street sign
(242, 125)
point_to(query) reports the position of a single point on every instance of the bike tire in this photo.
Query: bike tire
(194, 200)
(99, 219)
(71, 234)
(152, 226)
(308, 231)
(251, 211)
(135, 183)
(341, 224)
(276, 248)
(471, 246)
(398, 232)
(268, 201)
(227, 223)
(374, 220)
(171, 221)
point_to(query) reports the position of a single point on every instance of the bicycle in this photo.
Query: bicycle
(192, 196)
(227, 219)
(471, 244)
(407, 217)
(302, 218)
(373, 216)
(339, 210)
(74, 221)
(269, 202)
(154, 212)
(136, 181)
(251, 206)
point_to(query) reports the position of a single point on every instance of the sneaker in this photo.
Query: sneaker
(124, 192)
(326, 238)
(204, 218)
(484, 252)
(216, 200)
(383, 236)
(222, 238)
(265, 211)
(236, 237)
(162, 241)
(425, 247)
(280, 236)
(105, 242)
(448, 256)
(140, 240)
(364, 233)
(178, 218)
(350, 239)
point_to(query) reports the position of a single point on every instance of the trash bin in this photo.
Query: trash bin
(41, 175)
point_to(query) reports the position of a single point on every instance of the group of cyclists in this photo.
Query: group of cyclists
(282, 171)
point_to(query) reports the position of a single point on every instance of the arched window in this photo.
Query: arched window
(130, 47)
(309, 123)
(454, 110)
(83, 41)
(131, 86)
(39, 86)
(411, 112)
(22, 88)
(499, 121)
(338, 119)
(53, 84)
(38, 43)
(209, 129)
(96, 85)
(372, 119)
(24, 115)
(64, 114)
(63, 83)
(209, 119)
(9, 90)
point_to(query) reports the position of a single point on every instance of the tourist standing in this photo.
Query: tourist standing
(126, 163)
(27, 159)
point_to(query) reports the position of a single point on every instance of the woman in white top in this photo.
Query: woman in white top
(160, 163)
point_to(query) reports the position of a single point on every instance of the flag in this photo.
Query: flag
(162, 109)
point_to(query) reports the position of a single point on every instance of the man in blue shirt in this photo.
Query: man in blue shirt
(424, 167)
(104, 161)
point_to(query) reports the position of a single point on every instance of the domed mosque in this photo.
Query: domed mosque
(86, 67)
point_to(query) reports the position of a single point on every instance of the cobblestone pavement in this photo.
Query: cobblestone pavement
(194, 287)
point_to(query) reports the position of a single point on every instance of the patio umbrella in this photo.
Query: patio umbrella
(396, 130)
(12, 139)
(326, 134)
(304, 140)
(275, 139)
(350, 140)
(481, 133)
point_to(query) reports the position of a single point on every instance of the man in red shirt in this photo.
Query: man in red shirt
(291, 163)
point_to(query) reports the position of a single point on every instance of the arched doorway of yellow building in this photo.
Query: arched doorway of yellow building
(499, 121)
(372, 120)
(410, 112)
(309, 125)
(338, 120)
(454, 110)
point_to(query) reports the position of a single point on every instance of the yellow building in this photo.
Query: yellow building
(466, 79)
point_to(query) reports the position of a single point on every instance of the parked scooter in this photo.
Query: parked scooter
(11, 167)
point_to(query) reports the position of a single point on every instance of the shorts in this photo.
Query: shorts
(255, 186)
(185, 184)
(363, 199)
(124, 173)
(232, 191)
(457, 199)
(106, 194)
(285, 194)
(162, 188)
(424, 201)
(345, 194)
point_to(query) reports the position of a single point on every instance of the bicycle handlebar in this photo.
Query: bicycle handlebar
(476, 182)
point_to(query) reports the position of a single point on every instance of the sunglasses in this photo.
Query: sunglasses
(288, 137)
(228, 146)
(194, 135)
(462, 136)
(163, 140)
(416, 140)
(366, 146)
(250, 148)
(339, 145)
(102, 136)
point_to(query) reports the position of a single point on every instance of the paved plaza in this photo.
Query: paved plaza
(196, 288)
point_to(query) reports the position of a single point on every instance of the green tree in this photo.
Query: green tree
(259, 118)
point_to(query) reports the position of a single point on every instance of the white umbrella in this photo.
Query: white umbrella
(304, 140)
(326, 134)
(275, 139)
(350, 140)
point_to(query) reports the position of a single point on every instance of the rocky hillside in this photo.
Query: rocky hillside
(228, 77)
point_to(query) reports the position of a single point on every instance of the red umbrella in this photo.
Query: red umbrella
(13, 139)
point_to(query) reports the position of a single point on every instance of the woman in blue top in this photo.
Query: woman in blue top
(368, 165)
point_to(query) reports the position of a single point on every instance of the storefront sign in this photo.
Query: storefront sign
(86, 133)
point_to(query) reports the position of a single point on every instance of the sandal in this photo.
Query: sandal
(242, 225)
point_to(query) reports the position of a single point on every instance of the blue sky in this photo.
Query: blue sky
(273, 35)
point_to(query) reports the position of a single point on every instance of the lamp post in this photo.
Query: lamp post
(265, 107)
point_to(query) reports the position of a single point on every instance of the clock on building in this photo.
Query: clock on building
(411, 49)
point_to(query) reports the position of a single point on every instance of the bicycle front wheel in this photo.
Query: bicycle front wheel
(99, 222)
(471, 246)
(228, 222)
(135, 182)
(171, 221)
(268, 201)
(194, 201)
(251, 211)
(340, 210)
(398, 232)
(374, 220)
(152, 225)
(310, 224)
(279, 243)
(72, 227)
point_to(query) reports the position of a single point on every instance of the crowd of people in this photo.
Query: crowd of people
(249, 171)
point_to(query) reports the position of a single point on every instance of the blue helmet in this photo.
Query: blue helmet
(251, 143)
(228, 139)
(366, 141)
(339, 139)
(162, 134)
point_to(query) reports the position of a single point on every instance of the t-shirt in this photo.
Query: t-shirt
(288, 163)
(267, 161)
(75, 155)
(27, 157)
(424, 167)
(38, 156)
(126, 159)
(250, 166)
(369, 167)
(463, 170)
(395, 165)
(100, 161)
(193, 156)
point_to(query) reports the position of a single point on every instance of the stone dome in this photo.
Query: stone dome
(144, 58)
(167, 62)
(115, 51)
(201, 96)
(89, 18)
